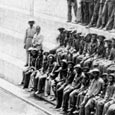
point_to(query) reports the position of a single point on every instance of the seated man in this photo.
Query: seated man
(30, 68)
(41, 68)
(94, 89)
(76, 83)
(61, 85)
(84, 85)
(103, 105)
(46, 77)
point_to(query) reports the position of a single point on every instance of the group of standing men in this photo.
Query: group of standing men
(93, 13)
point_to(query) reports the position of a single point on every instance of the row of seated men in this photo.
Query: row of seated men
(78, 86)
(93, 13)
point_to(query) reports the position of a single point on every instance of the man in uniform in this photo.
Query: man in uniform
(28, 38)
(70, 4)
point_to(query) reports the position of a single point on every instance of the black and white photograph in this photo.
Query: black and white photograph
(57, 57)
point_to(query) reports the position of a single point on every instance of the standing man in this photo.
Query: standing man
(37, 39)
(70, 4)
(28, 38)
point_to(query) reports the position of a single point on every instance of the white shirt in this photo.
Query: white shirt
(37, 39)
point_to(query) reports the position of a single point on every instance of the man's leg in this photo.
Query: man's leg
(75, 9)
(69, 4)
(86, 13)
(26, 80)
(65, 99)
(110, 21)
(59, 96)
(89, 106)
(104, 14)
(95, 14)
(99, 107)
(82, 106)
(106, 106)
(99, 20)
(91, 9)
(73, 99)
(111, 110)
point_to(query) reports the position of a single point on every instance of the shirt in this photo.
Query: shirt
(29, 33)
(37, 39)
(95, 87)
(109, 92)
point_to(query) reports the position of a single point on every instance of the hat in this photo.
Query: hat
(112, 74)
(95, 70)
(107, 40)
(32, 49)
(104, 74)
(50, 56)
(77, 66)
(93, 34)
(90, 72)
(101, 37)
(64, 61)
(31, 20)
(61, 29)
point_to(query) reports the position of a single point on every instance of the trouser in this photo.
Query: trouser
(111, 110)
(102, 107)
(106, 12)
(73, 98)
(86, 106)
(67, 90)
(23, 75)
(59, 95)
(71, 4)
(27, 79)
(111, 21)
(41, 83)
(99, 21)
(95, 13)
(80, 98)
(87, 11)
(79, 14)
(32, 77)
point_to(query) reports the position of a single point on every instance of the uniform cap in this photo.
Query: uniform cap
(77, 66)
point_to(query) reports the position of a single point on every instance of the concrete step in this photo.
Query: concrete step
(47, 99)
(28, 97)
